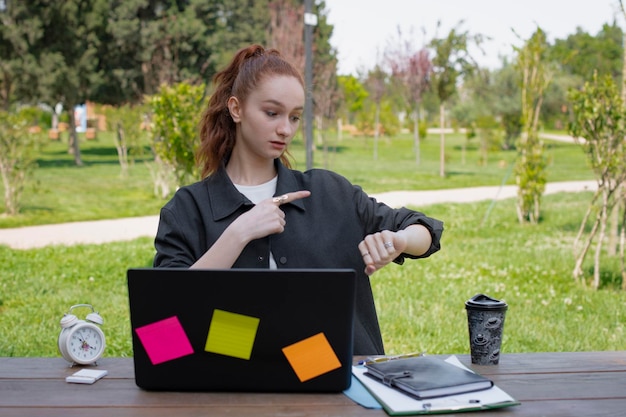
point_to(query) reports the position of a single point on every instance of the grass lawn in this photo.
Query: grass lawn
(61, 192)
(420, 304)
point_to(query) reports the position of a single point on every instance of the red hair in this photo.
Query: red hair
(247, 69)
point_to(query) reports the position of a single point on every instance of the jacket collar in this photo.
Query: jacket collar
(225, 199)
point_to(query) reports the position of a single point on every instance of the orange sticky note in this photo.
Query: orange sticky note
(311, 357)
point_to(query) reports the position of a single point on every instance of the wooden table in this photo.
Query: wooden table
(547, 384)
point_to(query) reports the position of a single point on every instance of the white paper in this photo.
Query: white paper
(86, 376)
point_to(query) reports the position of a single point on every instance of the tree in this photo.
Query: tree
(353, 94)
(18, 153)
(476, 109)
(238, 23)
(326, 92)
(411, 70)
(59, 53)
(175, 120)
(376, 85)
(530, 174)
(286, 29)
(285, 33)
(451, 61)
(130, 127)
(599, 116)
(583, 54)
(14, 57)
(152, 42)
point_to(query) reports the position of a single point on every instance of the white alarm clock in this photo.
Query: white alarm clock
(81, 341)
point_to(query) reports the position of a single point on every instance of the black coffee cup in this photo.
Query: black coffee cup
(485, 320)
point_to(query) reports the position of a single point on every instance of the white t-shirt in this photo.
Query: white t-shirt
(258, 193)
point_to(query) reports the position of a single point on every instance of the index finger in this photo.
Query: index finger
(289, 197)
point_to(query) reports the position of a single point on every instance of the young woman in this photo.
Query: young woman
(252, 210)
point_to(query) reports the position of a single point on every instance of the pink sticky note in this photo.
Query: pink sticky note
(164, 340)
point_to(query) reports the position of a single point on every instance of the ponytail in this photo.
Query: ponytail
(217, 129)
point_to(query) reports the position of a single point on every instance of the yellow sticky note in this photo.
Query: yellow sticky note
(312, 357)
(232, 334)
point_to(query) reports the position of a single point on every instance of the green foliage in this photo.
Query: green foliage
(131, 124)
(507, 103)
(115, 52)
(530, 168)
(452, 60)
(422, 129)
(354, 96)
(389, 123)
(57, 65)
(155, 42)
(238, 23)
(531, 178)
(583, 54)
(50, 65)
(18, 152)
(176, 111)
(36, 117)
(599, 118)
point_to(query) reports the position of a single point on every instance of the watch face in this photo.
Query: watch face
(85, 344)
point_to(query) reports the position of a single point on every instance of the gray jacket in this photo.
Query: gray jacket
(321, 231)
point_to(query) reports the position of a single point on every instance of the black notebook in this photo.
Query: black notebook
(426, 377)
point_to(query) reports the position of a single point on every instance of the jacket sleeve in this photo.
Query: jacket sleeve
(172, 248)
(377, 216)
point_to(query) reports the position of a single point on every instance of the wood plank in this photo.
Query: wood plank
(547, 384)
(511, 363)
(560, 362)
(570, 408)
(59, 368)
(587, 408)
(124, 393)
(248, 411)
(551, 386)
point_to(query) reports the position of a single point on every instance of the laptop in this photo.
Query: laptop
(256, 330)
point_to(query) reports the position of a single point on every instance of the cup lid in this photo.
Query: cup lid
(485, 302)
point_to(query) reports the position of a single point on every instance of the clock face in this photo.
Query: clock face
(85, 344)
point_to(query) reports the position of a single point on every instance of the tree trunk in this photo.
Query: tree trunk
(74, 145)
(10, 200)
(321, 137)
(442, 141)
(622, 239)
(122, 150)
(581, 230)
(578, 270)
(376, 130)
(603, 221)
(416, 134)
(611, 249)
(613, 231)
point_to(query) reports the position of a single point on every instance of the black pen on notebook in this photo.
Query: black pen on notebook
(378, 359)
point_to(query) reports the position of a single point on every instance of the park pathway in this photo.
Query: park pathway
(103, 231)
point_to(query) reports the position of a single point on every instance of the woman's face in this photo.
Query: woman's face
(269, 118)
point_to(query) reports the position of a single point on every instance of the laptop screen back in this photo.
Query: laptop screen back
(242, 329)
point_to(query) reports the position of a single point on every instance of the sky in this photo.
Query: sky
(362, 28)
